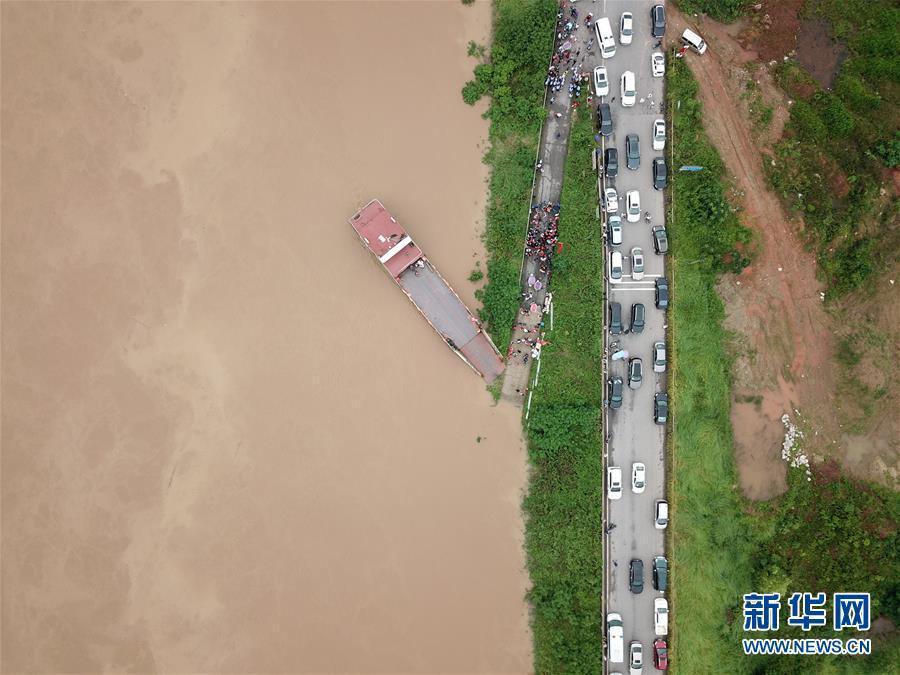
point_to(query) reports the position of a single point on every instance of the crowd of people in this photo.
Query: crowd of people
(543, 231)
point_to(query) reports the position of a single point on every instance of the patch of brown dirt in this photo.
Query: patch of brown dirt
(745, 72)
(772, 28)
(866, 408)
(837, 180)
(818, 53)
(775, 304)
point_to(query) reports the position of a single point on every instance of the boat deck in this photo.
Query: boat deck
(449, 317)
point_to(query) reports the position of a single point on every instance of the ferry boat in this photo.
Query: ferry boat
(442, 308)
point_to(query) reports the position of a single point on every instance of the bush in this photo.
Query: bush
(889, 151)
(832, 535)
(556, 427)
(807, 123)
(838, 119)
(851, 265)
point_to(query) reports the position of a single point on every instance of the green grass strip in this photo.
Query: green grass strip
(563, 530)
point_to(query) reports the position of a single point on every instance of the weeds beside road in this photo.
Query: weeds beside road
(712, 547)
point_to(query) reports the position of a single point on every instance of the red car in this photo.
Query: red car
(660, 655)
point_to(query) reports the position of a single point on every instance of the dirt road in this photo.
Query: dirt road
(230, 444)
(775, 305)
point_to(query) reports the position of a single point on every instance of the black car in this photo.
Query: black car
(658, 21)
(611, 160)
(637, 318)
(660, 573)
(614, 388)
(636, 575)
(660, 239)
(615, 318)
(660, 174)
(604, 115)
(633, 152)
(661, 407)
(662, 293)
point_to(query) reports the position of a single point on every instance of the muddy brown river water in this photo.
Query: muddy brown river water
(230, 444)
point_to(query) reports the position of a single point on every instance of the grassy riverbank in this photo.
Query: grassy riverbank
(513, 77)
(711, 541)
(562, 507)
(563, 532)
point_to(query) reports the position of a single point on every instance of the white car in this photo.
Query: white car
(601, 81)
(612, 200)
(658, 64)
(662, 514)
(659, 134)
(615, 266)
(635, 658)
(659, 357)
(638, 478)
(633, 206)
(660, 616)
(626, 30)
(614, 482)
(614, 224)
(629, 89)
(637, 263)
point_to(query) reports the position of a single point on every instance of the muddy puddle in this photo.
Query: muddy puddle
(229, 443)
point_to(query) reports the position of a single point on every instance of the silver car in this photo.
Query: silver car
(659, 357)
(615, 230)
(635, 373)
(637, 263)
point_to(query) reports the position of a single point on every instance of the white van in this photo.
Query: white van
(694, 41)
(605, 38)
(615, 638)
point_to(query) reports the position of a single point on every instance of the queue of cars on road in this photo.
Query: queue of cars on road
(634, 375)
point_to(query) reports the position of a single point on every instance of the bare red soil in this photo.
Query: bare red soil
(785, 341)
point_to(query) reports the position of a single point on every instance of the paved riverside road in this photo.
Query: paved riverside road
(552, 152)
(631, 432)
